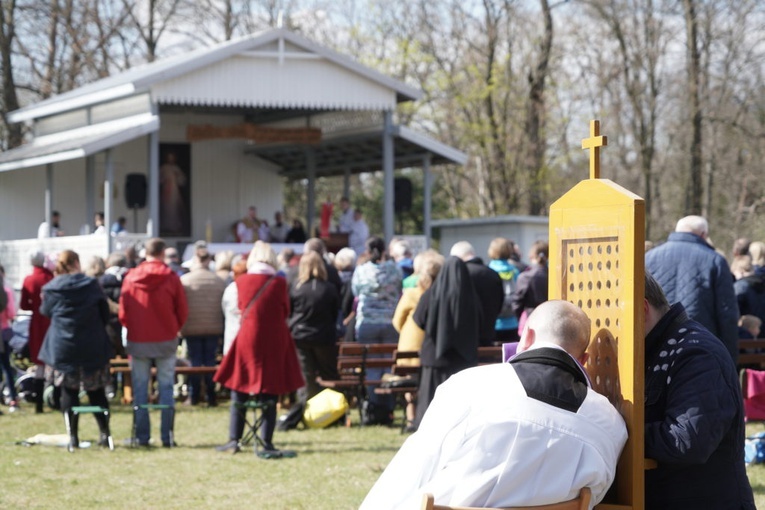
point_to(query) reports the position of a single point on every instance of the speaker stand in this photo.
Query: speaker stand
(135, 219)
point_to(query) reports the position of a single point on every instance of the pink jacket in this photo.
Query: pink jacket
(9, 313)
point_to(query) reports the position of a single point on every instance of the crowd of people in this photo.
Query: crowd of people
(280, 316)
(251, 228)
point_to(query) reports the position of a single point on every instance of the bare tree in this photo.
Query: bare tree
(9, 97)
(637, 28)
(695, 191)
(535, 116)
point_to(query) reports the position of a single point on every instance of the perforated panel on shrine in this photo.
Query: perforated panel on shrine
(597, 234)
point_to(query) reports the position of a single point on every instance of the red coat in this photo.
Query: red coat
(263, 358)
(31, 298)
(153, 304)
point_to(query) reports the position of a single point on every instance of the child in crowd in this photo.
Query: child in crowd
(749, 327)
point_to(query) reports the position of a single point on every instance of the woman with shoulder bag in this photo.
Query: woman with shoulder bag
(261, 363)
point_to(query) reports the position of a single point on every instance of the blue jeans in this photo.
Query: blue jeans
(377, 334)
(8, 371)
(202, 350)
(140, 369)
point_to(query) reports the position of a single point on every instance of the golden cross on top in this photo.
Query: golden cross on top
(594, 143)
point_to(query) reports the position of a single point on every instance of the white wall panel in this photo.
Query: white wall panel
(297, 83)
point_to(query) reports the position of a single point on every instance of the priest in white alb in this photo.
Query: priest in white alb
(524, 433)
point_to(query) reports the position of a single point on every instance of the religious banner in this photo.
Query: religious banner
(175, 190)
(253, 132)
(597, 233)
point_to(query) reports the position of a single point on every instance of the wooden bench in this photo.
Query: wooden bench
(353, 361)
(751, 354)
(122, 366)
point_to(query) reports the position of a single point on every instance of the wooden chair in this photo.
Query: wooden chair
(581, 502)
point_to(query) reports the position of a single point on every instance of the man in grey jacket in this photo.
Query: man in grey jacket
(204, 327)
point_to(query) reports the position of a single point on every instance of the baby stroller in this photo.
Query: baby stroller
(16, 347)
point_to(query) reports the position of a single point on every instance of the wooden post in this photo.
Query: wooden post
(597, 234)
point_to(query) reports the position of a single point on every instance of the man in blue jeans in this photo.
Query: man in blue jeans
(204, 327)
(153, 309)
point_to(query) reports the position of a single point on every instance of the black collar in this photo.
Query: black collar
(552, 357)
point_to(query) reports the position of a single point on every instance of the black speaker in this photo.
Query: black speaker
(135, 191)
(402, 188)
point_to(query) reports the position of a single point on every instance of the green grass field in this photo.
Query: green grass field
(334, 468)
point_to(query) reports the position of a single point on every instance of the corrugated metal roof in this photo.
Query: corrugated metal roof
(360, 152)
(145, 76)
(78, 143)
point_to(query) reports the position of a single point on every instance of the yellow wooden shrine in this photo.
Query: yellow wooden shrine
(597, 234)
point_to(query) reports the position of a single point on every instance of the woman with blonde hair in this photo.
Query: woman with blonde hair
(261, 363)
(411, 336)
(314, 302)
(76, 344)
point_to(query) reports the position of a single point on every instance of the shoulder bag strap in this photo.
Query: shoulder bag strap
(256, 296)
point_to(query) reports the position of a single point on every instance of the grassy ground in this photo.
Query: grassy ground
(334, 469)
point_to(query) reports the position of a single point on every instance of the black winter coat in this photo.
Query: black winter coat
(77, 336)
(491, 294)
(694, 420)
(314, 306)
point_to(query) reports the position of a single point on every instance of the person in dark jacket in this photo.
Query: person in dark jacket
(531, 290)
(111, 283)
(691, 272)
(448, 313)
(316, 245)
(314, 303)
(694, 416)
(488, 287)
(749, 289)
(76, 344)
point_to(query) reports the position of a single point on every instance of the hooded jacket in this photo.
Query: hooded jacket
(153, 305)
(77, 337)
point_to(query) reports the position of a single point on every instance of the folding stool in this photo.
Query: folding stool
(252, 427)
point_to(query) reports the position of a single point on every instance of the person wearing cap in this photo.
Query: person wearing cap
(524, 433)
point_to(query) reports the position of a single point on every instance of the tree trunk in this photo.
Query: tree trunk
(10, 98)
(695, 191)
(535, 118)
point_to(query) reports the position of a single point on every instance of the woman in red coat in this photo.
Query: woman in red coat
(262, 362)
(31, 298)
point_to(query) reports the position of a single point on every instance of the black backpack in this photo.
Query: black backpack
(507, 304)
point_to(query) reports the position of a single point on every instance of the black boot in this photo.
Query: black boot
(103, 427)
(56, 399)
(39, 388)
(72, 427)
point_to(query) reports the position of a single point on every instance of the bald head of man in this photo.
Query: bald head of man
(560, 323)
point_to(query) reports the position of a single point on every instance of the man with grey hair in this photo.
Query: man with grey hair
(691, 272)
(497, 435)
(401, 253)
(488, 286)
